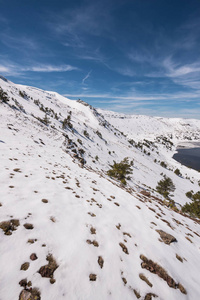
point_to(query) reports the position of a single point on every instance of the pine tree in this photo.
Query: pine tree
(120, 170)
(165, 187)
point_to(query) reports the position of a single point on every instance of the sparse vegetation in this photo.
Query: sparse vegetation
(3, 96)
(192, 208)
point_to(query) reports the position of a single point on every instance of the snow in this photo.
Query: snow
(48, 170)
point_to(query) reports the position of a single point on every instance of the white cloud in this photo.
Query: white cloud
(86, 77)
(50, 68)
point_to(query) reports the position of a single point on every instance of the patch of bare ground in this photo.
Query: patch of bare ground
(149, 296)
(143, 277)
(94, 243)
(189, 239)
(9, 226)
(25, 266)
(118, 226)
(167, 223)
(124, 248)
(126, 233)
(93, 230)
(137, 294)
(179, 258)
(91, 214)
(48, 270)
(161, 272)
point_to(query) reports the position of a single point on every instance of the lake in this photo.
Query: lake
(189, 157)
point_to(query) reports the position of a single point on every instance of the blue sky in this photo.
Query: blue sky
(131, 56)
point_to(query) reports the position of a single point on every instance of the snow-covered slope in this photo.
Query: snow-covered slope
(92, 236)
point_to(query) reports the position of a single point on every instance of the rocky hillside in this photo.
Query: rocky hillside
(70, 231)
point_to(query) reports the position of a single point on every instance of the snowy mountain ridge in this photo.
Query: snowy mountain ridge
(70, 231)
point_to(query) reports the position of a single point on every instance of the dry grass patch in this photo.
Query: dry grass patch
(143, 277)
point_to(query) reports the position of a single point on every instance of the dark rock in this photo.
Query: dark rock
(28, 226)
(100, 261)
(93, 277)
(166, 237)
(33, 256)
(44, 200)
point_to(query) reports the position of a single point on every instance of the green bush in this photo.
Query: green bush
(177, 172)
(193, 208)
(120, 170)
(165, 187)
(46, 120)
(3, 96)
(86, 134)
(163, 164)
(189, 194)
(66, 123)
(99, 134)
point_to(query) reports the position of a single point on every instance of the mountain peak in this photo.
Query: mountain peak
(92, 202)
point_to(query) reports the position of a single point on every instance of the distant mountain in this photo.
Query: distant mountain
(71, 231)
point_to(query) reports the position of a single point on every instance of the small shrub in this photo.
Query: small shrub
(46, 120)
(163, 164)
(189, 194)
(66, 123)
(86, 134)
(193, 208)
(3, 96)
(165, 186)
(99, 134)
(120, 170)
(177, 172)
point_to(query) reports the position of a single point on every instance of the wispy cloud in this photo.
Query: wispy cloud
(12, 69)
(51, 68)
(86, 77)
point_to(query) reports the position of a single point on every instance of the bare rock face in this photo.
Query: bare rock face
(166, 237)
